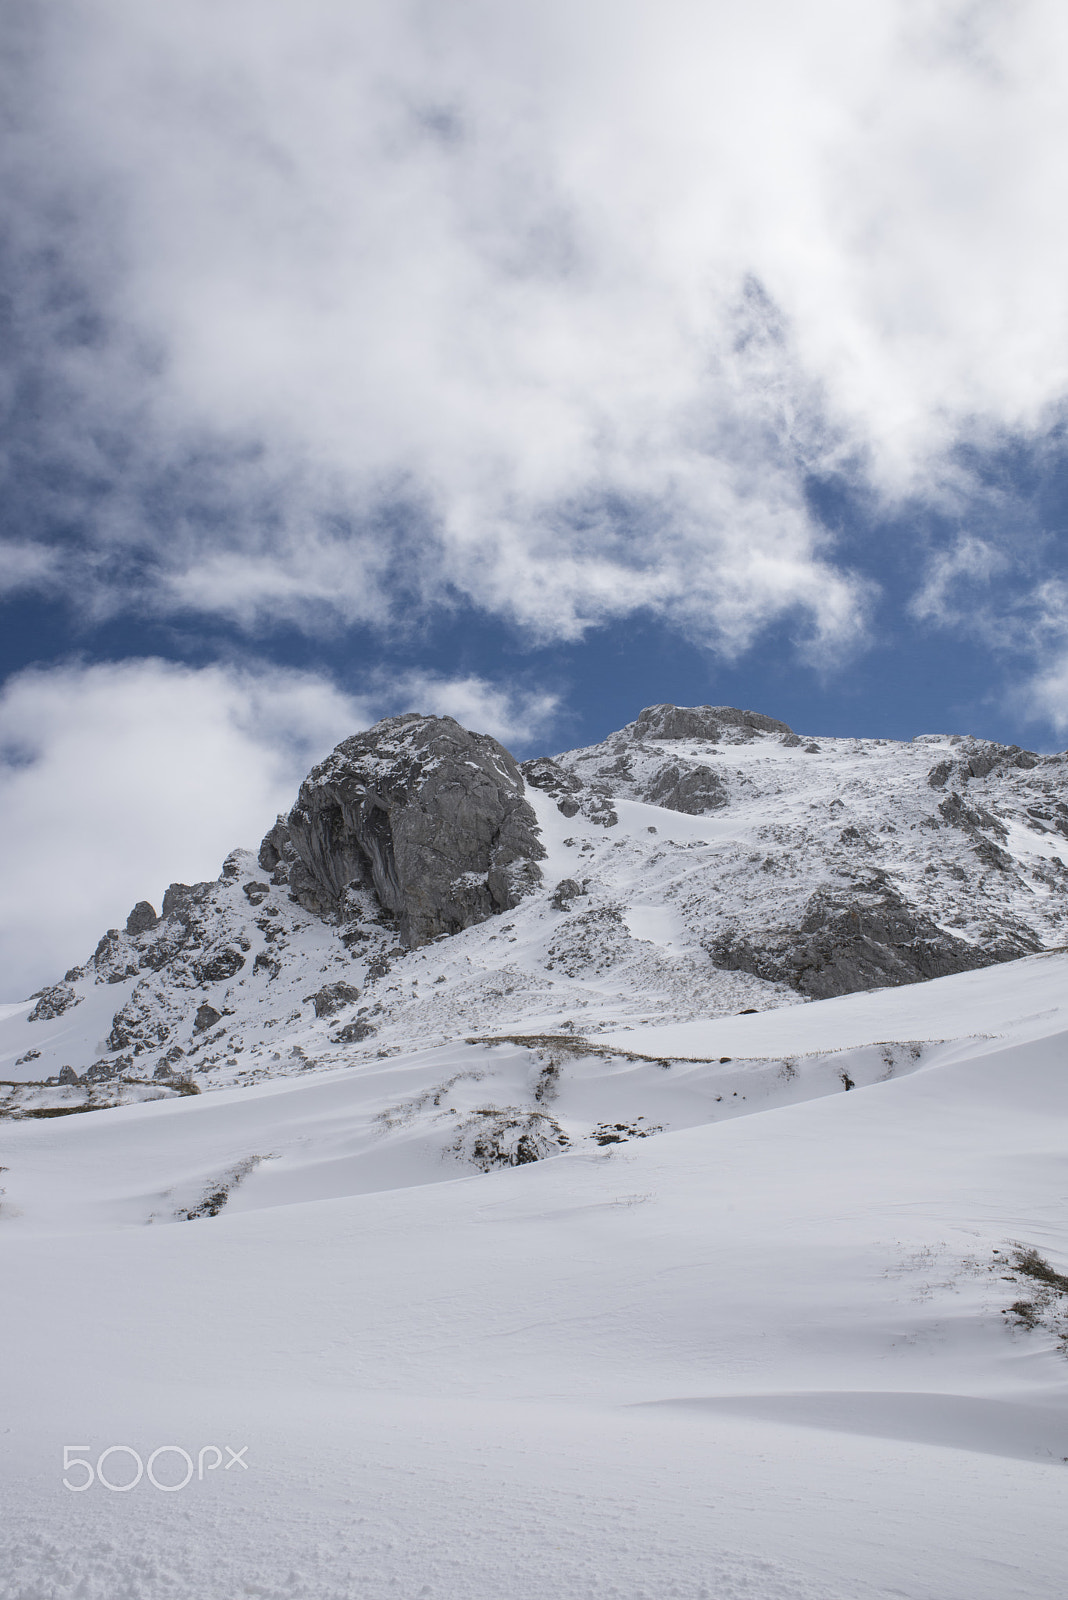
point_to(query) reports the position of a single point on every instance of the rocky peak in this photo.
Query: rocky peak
(830, 866)
(428, 814)
(635, 764)
(702, 722)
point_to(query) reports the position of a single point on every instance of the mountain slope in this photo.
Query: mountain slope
(701, 862)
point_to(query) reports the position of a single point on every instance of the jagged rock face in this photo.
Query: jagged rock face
(544, 773)
(865, 940)
(430, 815)
(182, 899)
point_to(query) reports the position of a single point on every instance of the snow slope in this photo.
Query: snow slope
(764, 1355)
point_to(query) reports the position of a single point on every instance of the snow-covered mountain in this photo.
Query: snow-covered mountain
(783, 1318)
(425, 889)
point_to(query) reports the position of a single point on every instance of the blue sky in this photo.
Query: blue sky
(532, 364)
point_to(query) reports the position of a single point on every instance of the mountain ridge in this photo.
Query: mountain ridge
(698, 862)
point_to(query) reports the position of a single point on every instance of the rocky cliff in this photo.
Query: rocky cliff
(428, 815)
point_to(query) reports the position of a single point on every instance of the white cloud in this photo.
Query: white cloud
(514, 716)
(489, 265)
(118, 779)
(1045, 698)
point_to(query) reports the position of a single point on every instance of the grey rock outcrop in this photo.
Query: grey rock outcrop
(547, 775)
(274, 846)
(206, 1017)
(106, 1071)
(977, 822)
(982, 756)
(138, 1025)
(693, 790)
(701, 722)
(355, 1033)
(572, 795)
(979, 758)
(141, 918)
(867, 938)
(643, 761)
(167, 1066)
(566, 891)
(977, 816)
(431, 816)
(181, 900)
(113, 959)
(989, 855)
(53, 1002)
(333, 997)
(219, 964)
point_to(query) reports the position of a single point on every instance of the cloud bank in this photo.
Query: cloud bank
(117, 779)
(340, 313)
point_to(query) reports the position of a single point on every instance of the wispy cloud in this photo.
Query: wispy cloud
(955, 587)
(25, 566)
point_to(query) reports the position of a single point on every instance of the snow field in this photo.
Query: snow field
(764, 1356)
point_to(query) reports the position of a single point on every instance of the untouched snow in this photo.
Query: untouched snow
(763, 1356)
(1020, 999)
